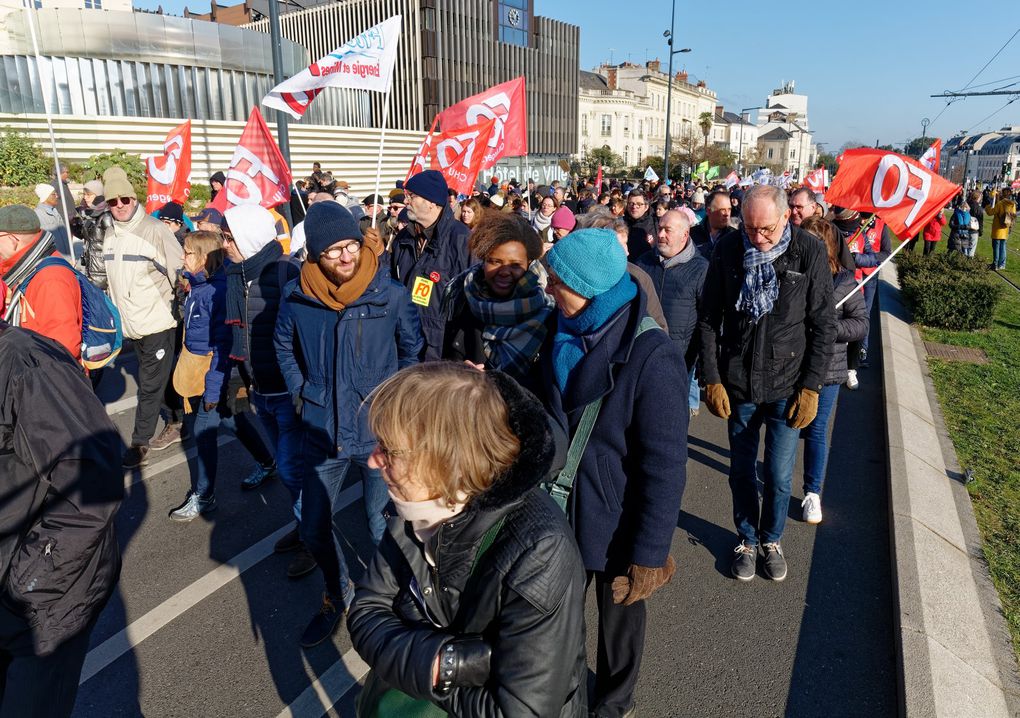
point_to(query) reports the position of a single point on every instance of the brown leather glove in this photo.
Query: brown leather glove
(641, 582)
(803, 408)
(373, 240)
(718, 400)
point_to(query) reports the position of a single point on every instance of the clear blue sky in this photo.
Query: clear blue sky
(866, 66)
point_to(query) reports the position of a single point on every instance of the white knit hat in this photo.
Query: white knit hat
(252, 226)
(43, 191)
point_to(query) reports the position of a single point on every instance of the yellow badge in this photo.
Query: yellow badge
(421, 292)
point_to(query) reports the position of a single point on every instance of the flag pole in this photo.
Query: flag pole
(382, 142)
(293, 183)
(867, 279)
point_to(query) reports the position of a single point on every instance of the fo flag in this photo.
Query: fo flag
(168, 174)
(364, 63)
(731, 180)
(896, 188)
(421, 159)
(506, 105)
(932, 156)
(815, 180)
(460, 154)
(257, 174)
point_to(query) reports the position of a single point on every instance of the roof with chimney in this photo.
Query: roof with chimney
(776, 135)
(593, 81)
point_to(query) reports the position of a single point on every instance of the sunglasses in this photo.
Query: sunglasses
(114, 201)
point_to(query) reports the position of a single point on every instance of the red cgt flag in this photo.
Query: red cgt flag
(421, 160)
(257, 174)
(506, 104)
(168, 174)
(459, 154)
(815, 180)
(598, 182)
(896, 188)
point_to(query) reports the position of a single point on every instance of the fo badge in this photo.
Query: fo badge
(421, 292)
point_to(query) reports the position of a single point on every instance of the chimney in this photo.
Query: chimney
(212, 11)
(611, 78)
(701, 83)
(719, 111)
(681, 76)
(653, 65)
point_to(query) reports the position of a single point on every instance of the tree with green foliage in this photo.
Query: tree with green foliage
(587, 165)
(705, 121)
(96, 165)
(22, 161)
(917, 146)
(828, 161)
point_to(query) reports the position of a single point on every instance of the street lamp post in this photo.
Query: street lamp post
(668, 34)
(740, 148)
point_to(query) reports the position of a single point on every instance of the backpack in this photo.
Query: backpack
(101, 331)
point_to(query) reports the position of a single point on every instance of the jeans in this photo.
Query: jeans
(155, 354)
(694, 395)
(870, 290)
(319, 495)
(999, 253)
(816, 445)
(283, 425)
(762, 523)
(203, 426)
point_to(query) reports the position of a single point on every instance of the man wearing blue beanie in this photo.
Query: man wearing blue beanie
(429, 252)
(609, 359)
(343, 328)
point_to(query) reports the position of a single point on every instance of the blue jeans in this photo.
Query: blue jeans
(319, 494)
(204, 426)
(816, 445)
(694, 395)
(870, 290)
(283, 425)
(999, 253)
(762, 523)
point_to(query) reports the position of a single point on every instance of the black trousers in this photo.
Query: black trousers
(621, 642)
(155, 354)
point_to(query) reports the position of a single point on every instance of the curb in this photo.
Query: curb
(954, 656)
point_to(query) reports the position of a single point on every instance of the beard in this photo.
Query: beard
(339, 275)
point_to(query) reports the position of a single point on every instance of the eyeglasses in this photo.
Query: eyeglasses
(352, 248)
(168, 220)
(636, 204)
(189, 253)
(114, 201)
(392, 453)
(764, 231)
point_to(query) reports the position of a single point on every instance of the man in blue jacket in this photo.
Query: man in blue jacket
(344, 327)
(429, 252)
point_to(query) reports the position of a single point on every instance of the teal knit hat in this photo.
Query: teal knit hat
(589, 261)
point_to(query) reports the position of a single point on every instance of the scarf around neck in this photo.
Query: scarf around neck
(682, 257)
(238, 276)
(316, 285)
(14, 269)
(761, 286)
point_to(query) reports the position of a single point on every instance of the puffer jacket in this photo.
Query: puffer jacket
(263, 297)
(851, 325)
(91, 226)
(205, 328)
(526, 599)
(142, 259)
(679, 289)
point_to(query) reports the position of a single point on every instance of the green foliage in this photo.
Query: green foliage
(917, 146)
(587, 165)
(705, 120)
(96, 165)
(18, 195)
(200, 194)
(949, 290)
(22, 161)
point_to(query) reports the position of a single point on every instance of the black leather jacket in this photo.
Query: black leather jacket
(525, 600)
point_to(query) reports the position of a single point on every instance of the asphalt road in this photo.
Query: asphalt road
(205, 622)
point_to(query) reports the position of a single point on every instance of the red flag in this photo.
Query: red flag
(815, 180)
(598, 181)
(168, 174)
(257, 174)
(459, 154)
(421, 160)
(933, 156)
(896, 188)
(506, 105)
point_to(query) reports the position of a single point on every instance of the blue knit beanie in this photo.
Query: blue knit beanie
(431, 185)
(588, 261)
(326, 224)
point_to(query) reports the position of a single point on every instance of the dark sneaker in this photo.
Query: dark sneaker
(745, 561)
(170, 435)
(290, 542)
(135, 456)
(324, 624)
(774, 564)
(258, 476)
(302, 564)
(194, 507)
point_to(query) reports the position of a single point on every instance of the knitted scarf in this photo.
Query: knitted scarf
(514, 328)
(761, 286)
(568, 344)
(316, 284)
(239, 274)
(540, 221)
(14, 270)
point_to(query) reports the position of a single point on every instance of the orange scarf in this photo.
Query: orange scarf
(315, 284)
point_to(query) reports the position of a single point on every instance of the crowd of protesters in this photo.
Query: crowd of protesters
(510, 376)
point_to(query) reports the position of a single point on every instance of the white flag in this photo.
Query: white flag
(364, 63)
(650, 175)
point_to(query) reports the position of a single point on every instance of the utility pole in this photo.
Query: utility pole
(924, 127)
(668, 34)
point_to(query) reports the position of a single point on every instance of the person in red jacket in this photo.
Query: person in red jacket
(932, 232)
(51, 303)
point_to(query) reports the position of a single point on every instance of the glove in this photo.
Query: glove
(718, 400)
(803, 408)
(297, 401)
(373, 240)
(641, 582)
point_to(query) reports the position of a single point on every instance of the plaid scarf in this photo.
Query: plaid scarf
(514, 328)
(761, 286)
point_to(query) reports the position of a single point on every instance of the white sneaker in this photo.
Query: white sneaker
(812, 505)
(851, 380)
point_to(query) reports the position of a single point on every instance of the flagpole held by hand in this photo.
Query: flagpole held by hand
(382, 142)
(878, 269)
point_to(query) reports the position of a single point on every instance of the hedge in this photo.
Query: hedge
(949, 290)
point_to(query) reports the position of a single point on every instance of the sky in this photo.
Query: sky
(867, 67)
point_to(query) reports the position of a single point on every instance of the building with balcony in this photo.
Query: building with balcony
(784, 137)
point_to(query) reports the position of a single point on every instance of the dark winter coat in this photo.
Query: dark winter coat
(331, 361)
(851, 325)
(786, 349)
(526, 599)
(61, 480)
(444, 257)
(626, 497)
(638, 231)
(263, 297)
(701, 235)
(679, 289)
(206, 330)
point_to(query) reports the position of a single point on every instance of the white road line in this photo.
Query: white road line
(124, 640)
(319, 697)
(116, 407)
(133, 476)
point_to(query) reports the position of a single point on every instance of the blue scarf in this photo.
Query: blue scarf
(568, 345)
(761, 286)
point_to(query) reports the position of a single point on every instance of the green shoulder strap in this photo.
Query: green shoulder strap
(486, 543)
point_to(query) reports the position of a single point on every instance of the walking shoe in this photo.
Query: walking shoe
(194, 506)
(302, 564)
(745, 562)
(170, 435)
(775, 564)
(290, 542)
(258, 475)
(812, 505)
(864, 363)
(694, 411)
(851, 380)
(135, 456)
(323, 624)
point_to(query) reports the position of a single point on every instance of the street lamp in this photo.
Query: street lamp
(668, 34)
(740, 149)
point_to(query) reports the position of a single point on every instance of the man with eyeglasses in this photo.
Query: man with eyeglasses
(706, 234)
(642, 225)
(143, 259)
(343, 328)
(766, 324)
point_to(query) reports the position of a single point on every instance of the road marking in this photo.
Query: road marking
(133, 476)
(116, 407)
(329, 688)
(127, 638)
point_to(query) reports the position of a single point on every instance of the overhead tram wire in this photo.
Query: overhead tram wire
(984, 119)
(976, 75)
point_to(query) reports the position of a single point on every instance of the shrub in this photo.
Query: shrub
(200, 193)
(22, 162)
(949, 290)
(94, 166)
(18, 195)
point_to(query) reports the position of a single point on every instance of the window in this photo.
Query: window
(793, 154)
(641, 129)
(584, 125)
(770, 153)
(514, 17)
(626, 125)
(93, 4)
(626, 155)
(607, 125)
